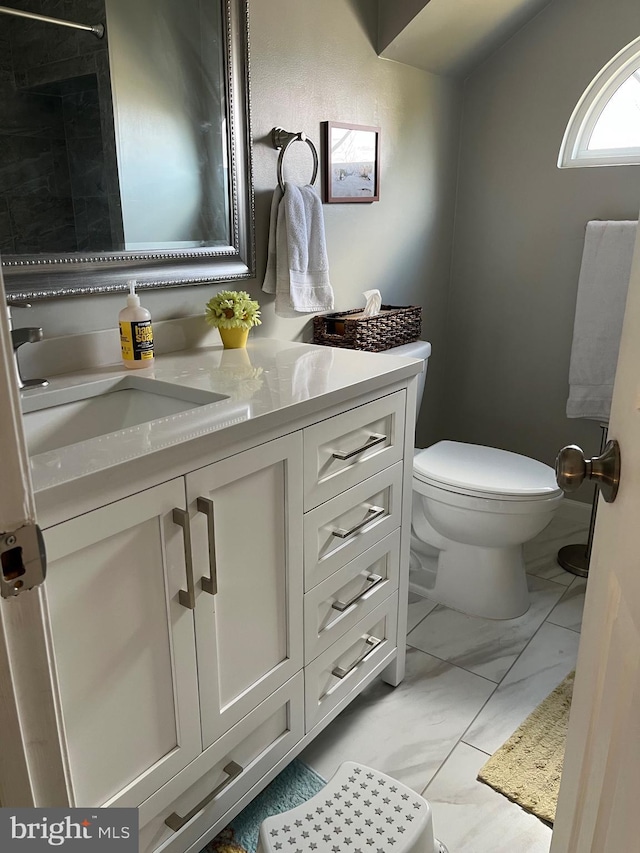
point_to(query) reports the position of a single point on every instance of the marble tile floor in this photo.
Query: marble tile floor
(470, 682)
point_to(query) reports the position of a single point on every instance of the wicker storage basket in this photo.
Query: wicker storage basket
(392, 327)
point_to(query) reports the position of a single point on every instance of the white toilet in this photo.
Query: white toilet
(473, 509)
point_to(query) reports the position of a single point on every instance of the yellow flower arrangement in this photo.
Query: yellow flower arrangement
(232, 309)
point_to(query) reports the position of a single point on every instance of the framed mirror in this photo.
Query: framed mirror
(127, 154)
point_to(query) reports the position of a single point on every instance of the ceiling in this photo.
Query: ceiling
(449, 37)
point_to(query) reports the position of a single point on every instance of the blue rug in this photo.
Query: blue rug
(293, 786)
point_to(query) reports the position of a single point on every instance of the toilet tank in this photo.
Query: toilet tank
(417, 349)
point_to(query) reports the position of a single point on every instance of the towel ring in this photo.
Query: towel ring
(282, 139)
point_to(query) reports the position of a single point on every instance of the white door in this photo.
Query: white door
(32, 766)
(124, 646)
(598, 809)
(246, 521)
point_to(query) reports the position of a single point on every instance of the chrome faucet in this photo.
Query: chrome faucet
(26, 335)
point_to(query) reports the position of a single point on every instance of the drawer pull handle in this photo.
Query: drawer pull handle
(372, 513)
(210, 584)
(186, 597)
(373, 580)
(373, 643)
(176, 821)
(374, 439)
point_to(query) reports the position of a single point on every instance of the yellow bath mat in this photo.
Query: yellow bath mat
(527, 768)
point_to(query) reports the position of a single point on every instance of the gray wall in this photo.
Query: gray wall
(393, 17)
(311, 62)
(322, 65)
(520, 230)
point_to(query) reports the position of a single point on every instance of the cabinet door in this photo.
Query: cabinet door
(123, 647)
(246, 522)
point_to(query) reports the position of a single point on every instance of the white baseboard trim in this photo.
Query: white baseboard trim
(577, 511)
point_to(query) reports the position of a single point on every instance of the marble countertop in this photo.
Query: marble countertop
(269, 384)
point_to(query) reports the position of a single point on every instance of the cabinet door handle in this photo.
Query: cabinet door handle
(373, 643)
(374, 580)
(374, 439)
(373, 512)
(176, 821)
(187, 597)
(210, 584)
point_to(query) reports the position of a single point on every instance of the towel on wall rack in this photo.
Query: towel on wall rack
(600, 304)
(297, 264)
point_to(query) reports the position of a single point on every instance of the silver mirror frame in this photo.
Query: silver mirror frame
(38, 277)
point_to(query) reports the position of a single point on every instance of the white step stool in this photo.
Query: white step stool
(358, 811)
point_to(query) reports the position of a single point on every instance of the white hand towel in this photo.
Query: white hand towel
(310, 287)
(276, 277)
(297, 265)
(602, 295)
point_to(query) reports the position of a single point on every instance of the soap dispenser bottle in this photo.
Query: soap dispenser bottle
(136, 332)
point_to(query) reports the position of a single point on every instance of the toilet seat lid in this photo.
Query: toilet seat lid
(487, 470)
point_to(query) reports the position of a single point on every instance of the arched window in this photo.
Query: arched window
(604, 129)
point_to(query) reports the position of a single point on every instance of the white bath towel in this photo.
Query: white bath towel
(297, 264)
(602, 294)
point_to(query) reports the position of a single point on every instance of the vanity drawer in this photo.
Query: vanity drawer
(342, 451)
(232, 766)
(338, 603)
(337, 672)
(338, 531)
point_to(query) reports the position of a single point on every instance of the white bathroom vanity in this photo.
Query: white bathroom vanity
(224, 578)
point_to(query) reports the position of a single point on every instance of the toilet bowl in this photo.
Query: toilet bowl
(473, 508)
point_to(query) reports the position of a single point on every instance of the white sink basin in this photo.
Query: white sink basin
(58, 418)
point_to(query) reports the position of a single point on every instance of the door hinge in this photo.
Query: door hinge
(23, 559)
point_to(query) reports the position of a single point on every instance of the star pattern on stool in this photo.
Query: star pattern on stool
(361, 813)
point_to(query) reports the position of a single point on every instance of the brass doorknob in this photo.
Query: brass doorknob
(572, 469)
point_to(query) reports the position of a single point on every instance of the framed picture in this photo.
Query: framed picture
(352, 163)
